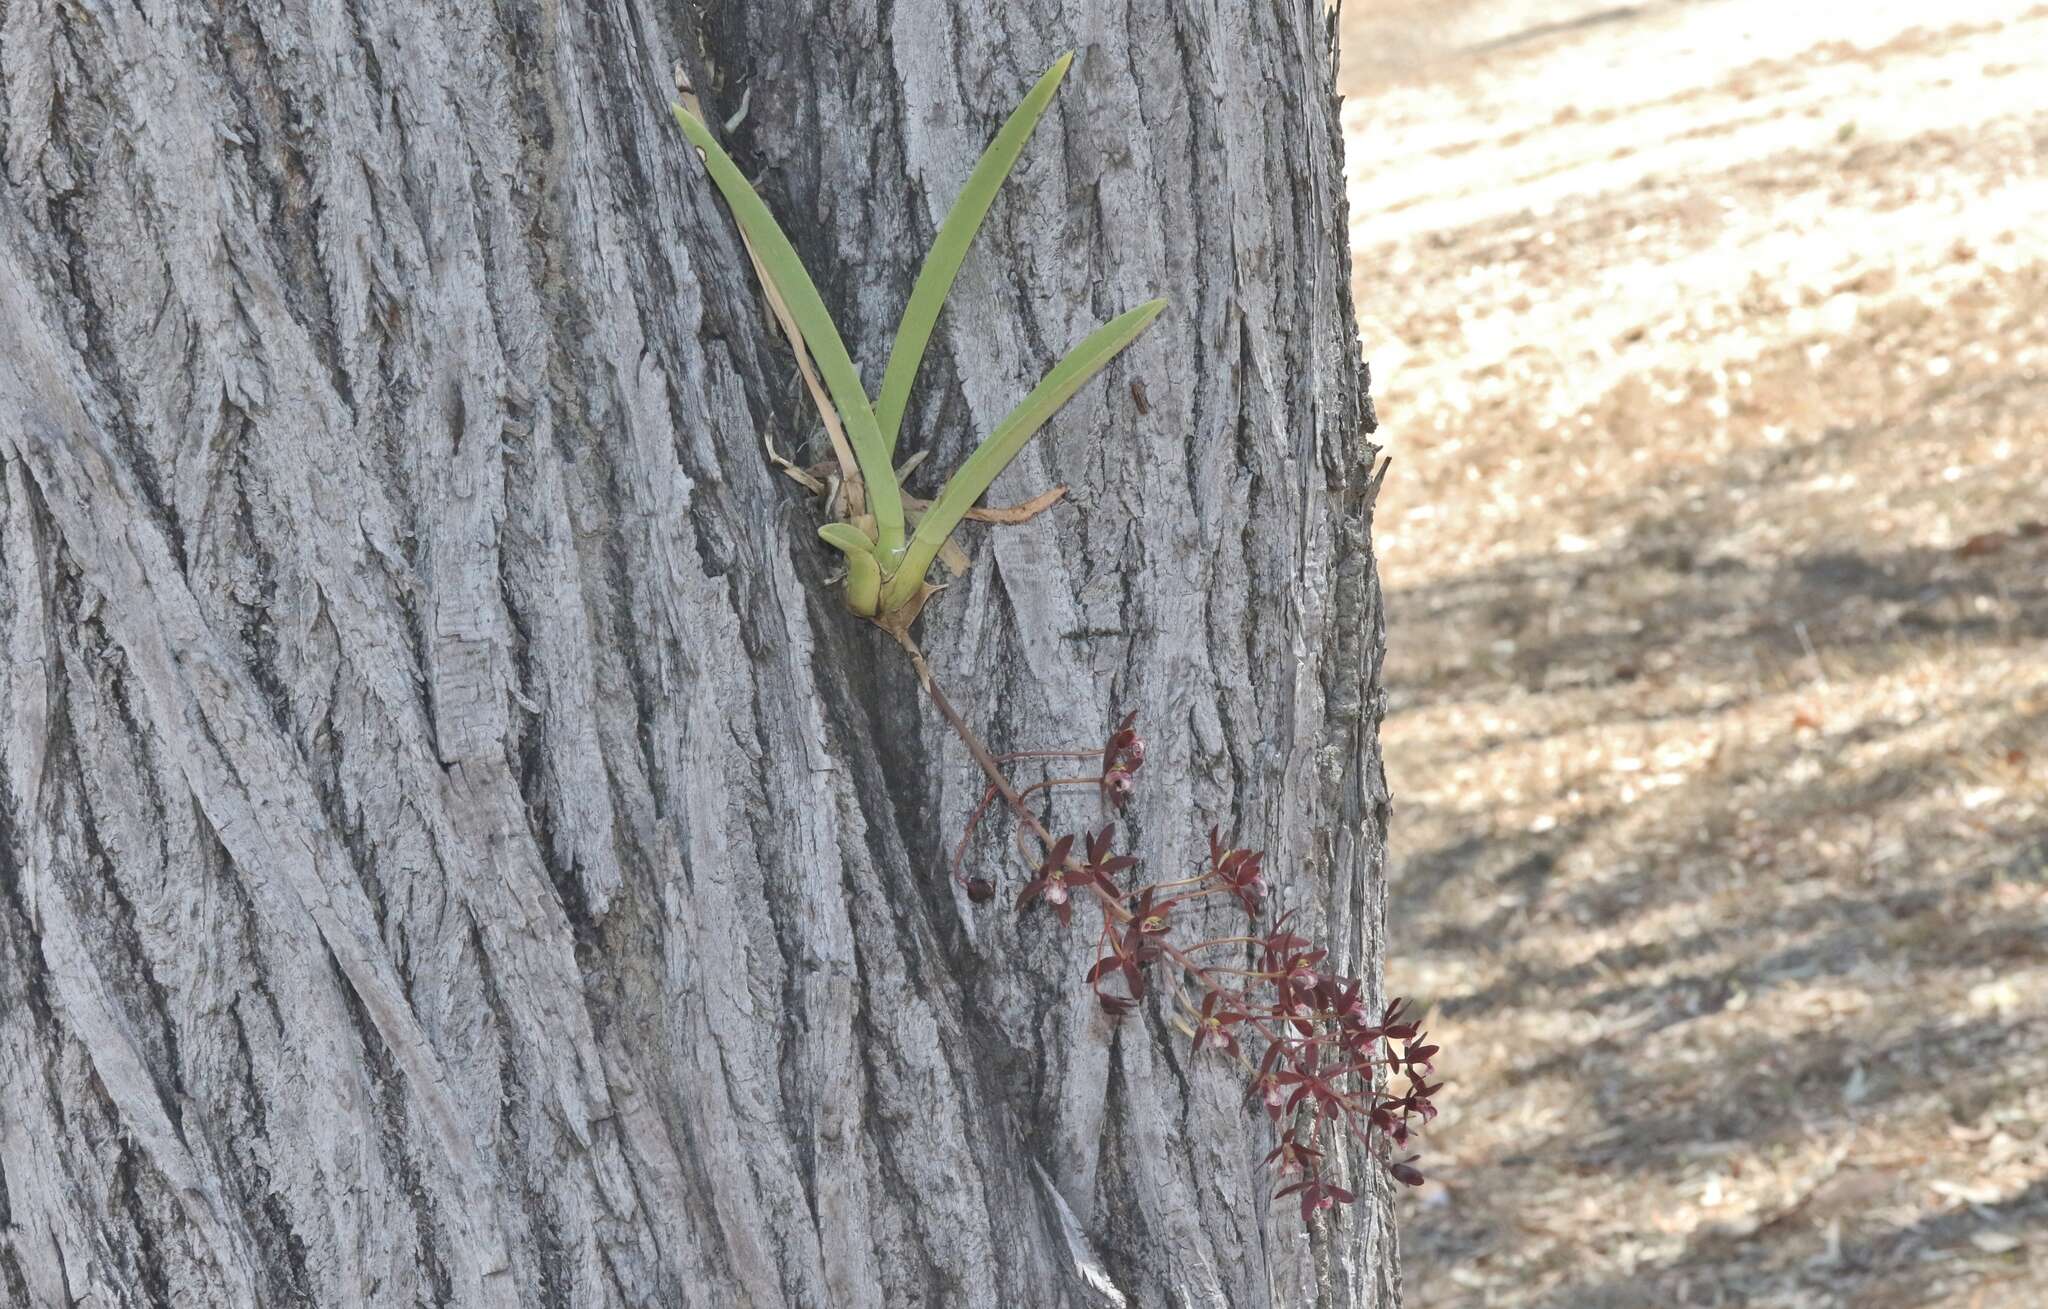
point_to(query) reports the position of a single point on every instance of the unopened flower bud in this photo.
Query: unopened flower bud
(980, 890)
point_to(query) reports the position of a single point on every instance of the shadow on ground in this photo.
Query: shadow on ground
(1717, 564)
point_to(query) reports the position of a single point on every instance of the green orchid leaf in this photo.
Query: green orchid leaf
(821, 336)
(949, 251)
(972, 478)
(863, 570)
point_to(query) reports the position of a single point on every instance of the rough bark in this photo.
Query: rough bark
(454, 850)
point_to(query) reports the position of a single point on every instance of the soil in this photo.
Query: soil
(1710, 341)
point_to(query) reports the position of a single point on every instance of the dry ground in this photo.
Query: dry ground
(1711, 341)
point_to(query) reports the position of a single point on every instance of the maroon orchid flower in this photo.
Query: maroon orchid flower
(1051, 883)
(1292, 1156)
(1126, 954)
(1118, 962)
(1383, 1121)
(1117, 788)
(1299, 972)
(1310, 1080)
(1135, 945)
(1345, 1003)
(1265, 1085)
(1149, 921)
(1102, 867)
(1413, 1059)
(1416, 1103)
(1122, 756)
(1292, 1009)
(1219, 1015)
(1316, 1194)
(1278, 945)
(1126, 749)
(1241, 872)
(1394, 1026)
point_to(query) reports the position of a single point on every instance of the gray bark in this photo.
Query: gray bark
(454, 849)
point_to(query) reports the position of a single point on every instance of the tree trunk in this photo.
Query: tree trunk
(455, 849)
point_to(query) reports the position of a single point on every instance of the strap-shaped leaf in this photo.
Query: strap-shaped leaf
(863, 573)
(972, 479)
(949, 251)
(794, 284)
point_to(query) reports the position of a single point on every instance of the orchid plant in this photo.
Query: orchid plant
(1324, 1064)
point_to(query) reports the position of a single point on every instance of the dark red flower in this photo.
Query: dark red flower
(1126, 749)
(1118, 960)
(1309, 1079)
(1102, 866)
(1315, 1194)
(1051, 882)
(1345, 1003)
(1383, 1120)
(1298, 971)
(1292, 1156)
(1393, 1026)
(1278, 945)
(1297, 1012)
(1149, 921)
(1122, 755)
(1416, 1102)
(1413, 1059)
(1219, 1015)
(1117, 788)
(1265, 1085)
(1241, 872)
